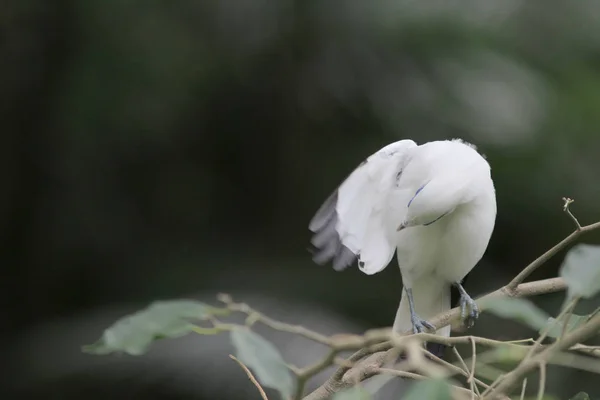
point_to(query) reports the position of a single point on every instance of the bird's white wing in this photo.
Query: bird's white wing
(359, 220)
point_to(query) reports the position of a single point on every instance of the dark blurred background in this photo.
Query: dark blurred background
(166, 149)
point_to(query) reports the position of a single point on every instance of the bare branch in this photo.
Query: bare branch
(379, 347)
(542, 385)
(466, 372)
(471, 378)
(523, 389)
(575, 361)
(579, 230)
(252, 378)
(335, 383)
(402, 374)
(544, 333)
(256, 316)
(376, 341)
(411, 375)
(566, 209)
(456, 370)
(589, 350)
(572, 338)
(305, 374)
(461, 360)
(528, 289)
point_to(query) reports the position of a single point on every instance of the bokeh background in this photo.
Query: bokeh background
(167, 149)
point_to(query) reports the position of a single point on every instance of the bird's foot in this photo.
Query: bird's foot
(469, 311)
(420, 325)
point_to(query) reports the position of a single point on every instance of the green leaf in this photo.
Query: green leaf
(556, 326)
(581, 270)
(517, 309)
(435, 389)
(355, 393)
(134, 333)
(581, 396)
(264, 360)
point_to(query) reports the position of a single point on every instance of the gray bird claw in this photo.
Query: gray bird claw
(469, 311)
(421, 326)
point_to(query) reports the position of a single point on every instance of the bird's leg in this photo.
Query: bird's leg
(419, 325)
(469, 311)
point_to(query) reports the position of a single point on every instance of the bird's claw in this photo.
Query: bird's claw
(421, 325)
(469, 311)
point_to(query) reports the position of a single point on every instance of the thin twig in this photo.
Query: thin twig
(547, 328)
(542, 386)
(566, 209)
(567, 317)
(521, 341)
(593, 314)
(318, 366)
(564, 358)
(252, 378)
(466, 373)
(412, 375)
(585, 349)
(575, 361)
(456, 370)
(416, 355)
(579, 230)
(461, 360)
(335, 383)
(303, 375)
(492, 387)
(474, 350)
(576, 336)
(471, 377)
(402, 374)
(256, 316)
(523, 389)
(454, 340)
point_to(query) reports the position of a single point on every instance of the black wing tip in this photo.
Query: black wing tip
(335, 252)
(325, 213)
(326, 245)
(344, 259)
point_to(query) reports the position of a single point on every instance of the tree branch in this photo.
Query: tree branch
(256, 316)
(379, 347)
(251, 377)
(336, 383)
(578, 335)
(579, 230)
(375, 342)
(465, 393)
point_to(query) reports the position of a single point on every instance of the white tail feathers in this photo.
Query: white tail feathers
(432, 296)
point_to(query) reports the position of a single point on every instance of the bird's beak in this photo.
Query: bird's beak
(402, 226)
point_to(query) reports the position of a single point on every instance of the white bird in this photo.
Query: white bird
(434, 204)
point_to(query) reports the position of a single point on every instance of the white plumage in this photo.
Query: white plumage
(433, 204)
